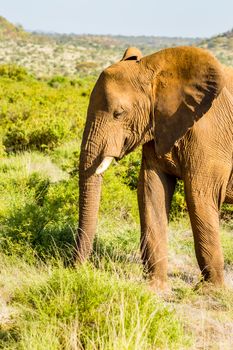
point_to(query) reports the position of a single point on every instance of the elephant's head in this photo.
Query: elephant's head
(135, 100)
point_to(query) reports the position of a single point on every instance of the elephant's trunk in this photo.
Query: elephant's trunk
(89, 199)
(89, 195)
(96, 156)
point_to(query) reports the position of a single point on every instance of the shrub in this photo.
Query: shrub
(57, 81)
(46, 222)
(2, 149)
(86, 67)
(178, 205)
(16, 138)
(13, 71)
(38, 207)
(37, 116)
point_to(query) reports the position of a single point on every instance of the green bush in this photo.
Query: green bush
(178, 205)
(57, 81)
(2, 149)
(16, 137)
(38, 207)
(47, 222)
(13, 72)
(118, 200)
(33, 115)
(47, 134)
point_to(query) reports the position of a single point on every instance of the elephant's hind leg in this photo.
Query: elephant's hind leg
(155, 191)
(204, 200)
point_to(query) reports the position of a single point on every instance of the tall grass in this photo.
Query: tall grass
(86, 308)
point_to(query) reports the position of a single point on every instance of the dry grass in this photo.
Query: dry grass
(207, 312)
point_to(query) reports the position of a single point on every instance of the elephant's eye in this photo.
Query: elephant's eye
(117, 114)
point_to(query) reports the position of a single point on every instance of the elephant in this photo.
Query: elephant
(178, 104)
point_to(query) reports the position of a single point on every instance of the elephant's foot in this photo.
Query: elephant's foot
(213, 276)
(206, 287)
(210, 280)
(159, 286)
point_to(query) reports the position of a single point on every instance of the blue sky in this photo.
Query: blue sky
(196, 18)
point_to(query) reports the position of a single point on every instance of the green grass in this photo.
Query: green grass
(84, 308)
(106, 304)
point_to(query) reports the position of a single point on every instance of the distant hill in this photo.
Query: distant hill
(221, 46)
(47, 54)
(11, 31)
(144, 43)
(228, 34)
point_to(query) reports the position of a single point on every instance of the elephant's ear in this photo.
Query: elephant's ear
(186, 82)
(132, 53)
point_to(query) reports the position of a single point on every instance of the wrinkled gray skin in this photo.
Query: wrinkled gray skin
(178, 103)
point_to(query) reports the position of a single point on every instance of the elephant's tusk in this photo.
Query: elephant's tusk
(104, 165)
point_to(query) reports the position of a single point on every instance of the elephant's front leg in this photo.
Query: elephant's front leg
(155, 190)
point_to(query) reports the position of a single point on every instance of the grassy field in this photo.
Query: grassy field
(105, 304)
